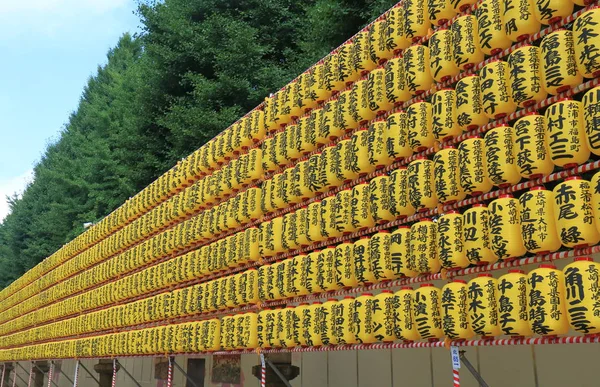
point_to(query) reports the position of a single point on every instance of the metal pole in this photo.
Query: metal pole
(43, 373)
(170, 374)
(114, 378)
(190, 380)
(30, 375)
(472, 369)
(456, 377)
(3, 372)
(126, 372)
(283, 379)
(263, 371)
(14, 383)
(65, 375)
(76, 374)
(50, 374)
(88, 372)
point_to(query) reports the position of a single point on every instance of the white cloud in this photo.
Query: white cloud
(9, 187)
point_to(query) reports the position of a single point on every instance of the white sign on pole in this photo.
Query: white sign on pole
(455, 357)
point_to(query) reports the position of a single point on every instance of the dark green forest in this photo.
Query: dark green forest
(195, 67)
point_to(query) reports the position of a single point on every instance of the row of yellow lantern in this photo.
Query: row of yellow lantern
(224, 217)
(232, 291)
(546, 301)
(235, 290)
(379, 199)
(440, 99)
(493, 27)
(531, 149)
(153, 194)
(539, 222)
(543, 302)
(238, 173)
(251, 125)
(383, 199)
(139, 233)
(241, 209)
(204, 261)
(193, 337)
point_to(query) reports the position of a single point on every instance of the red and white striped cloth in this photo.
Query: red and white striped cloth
(114, 377)
(263, 370)
(75, 376)
(170, 373)
(456, 378)
(50, 374)
(31, 375)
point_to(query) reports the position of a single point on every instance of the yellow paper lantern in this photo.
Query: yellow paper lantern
(471, 163)
(363, 267)
(483, 305)
(381, 256)
(397, 134)
(496, 90)
(537, 221)
(423, 254)
(342, 324)
(406, 327)
(421, 184)
(396, 22)
(500, 160)
(525, 77)
(361, 207)
(395, 81)
(566, 133)
(386, 310)
(513, 307)
(531, 147)
(376, 89)
(469, 105)
(427, 312)
(365, 313)
(326, 336)
(344, 263)
(444, 115)
(519, 20)
(380, 199)
(450, 244)
(440, 11)
(416, 19)
(586, 32)
(491, 27)
(416, 69)
(559, 69)
(467, 52)
(399, 250)
(420, 126)
(477, 235)
(573, 213)
(441, 59)
(400, 204)
(505, 228)
(547, 305)
(582, 292)
(454, 310)
(447, 176)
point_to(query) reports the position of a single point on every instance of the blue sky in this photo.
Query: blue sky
(49, 49)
